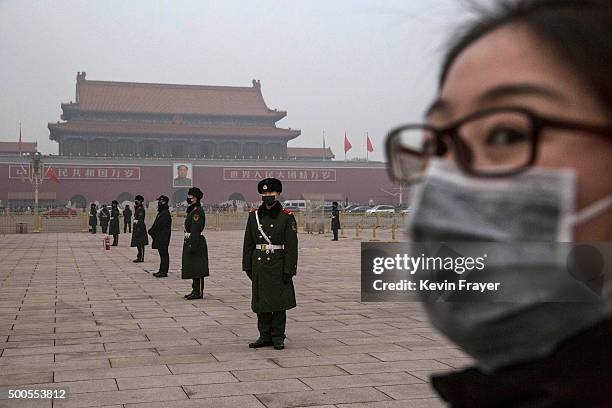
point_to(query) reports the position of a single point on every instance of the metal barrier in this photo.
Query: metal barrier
(307, 223)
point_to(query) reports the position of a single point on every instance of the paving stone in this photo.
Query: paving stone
(175, 380)
(74, 375)
(360, 380)
(100, 399)
(242, 401)
(241, 388)
(295, 372)
(321, 397)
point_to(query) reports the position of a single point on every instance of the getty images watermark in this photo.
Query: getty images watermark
(487, 272)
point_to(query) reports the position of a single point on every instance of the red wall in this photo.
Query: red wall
(359, 184)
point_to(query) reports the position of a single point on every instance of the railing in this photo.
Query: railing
(216, 220)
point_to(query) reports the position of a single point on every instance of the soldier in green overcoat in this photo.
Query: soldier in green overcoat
(195, 250)
(113, 228)
(269, 258)
(139, 231)
(93, 218)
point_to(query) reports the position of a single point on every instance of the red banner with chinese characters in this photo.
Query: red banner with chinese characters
(80, 172)
(254, 173)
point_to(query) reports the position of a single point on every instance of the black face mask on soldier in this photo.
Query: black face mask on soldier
(189, 200)
(268, 200)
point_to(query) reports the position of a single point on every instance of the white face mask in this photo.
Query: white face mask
(536, 206)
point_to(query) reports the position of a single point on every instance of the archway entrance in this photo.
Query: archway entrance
(78, 201)
(125, 197)
(236, 196)
(179, 197)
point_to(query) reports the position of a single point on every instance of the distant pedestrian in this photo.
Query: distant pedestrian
(335, 220)
(160, 232)
(113, 228)
(104, 218)
(93, 218)
(127, 219)
(139, 235)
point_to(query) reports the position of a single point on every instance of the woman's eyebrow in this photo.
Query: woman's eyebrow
(439, 105)
(524, 89)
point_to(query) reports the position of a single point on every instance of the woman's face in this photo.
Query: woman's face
(511, 67)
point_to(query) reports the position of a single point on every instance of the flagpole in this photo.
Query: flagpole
(323, 144)
(367, 150)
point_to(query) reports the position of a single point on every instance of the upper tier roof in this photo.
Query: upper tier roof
(148, 129)
(310, 152)
(135, 97)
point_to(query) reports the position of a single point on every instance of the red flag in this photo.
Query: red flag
(51, 175)
(347, 145)
(369, 143)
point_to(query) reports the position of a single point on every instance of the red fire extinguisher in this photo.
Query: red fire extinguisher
(106, 243)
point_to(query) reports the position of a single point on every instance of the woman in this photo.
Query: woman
(195, 249)
(520, 133)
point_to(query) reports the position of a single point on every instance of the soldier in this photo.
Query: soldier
(127, 219)
(139, 235)
(335, 220)
(113, 228)
(195, 249)
(104, 218)
(93, 218)
(269, 259)
(161, 231)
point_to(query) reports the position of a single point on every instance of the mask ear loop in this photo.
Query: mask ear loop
(568, 202)
(591, 210)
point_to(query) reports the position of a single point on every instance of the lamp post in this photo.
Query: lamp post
(36, 177)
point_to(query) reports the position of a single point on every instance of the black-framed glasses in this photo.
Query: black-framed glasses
(496, 142)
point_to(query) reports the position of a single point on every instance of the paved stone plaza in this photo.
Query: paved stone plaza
(75, 316)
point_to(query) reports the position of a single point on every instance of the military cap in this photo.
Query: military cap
(139, 198)
(270, 185)
(115, 202)
(335, 203)
(196, 192)
(163, 198)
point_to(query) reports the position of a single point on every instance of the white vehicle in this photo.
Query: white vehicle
(381, 209)
(295, 205)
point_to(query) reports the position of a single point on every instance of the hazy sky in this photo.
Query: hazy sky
(335, 65)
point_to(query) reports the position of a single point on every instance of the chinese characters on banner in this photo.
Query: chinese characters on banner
(81, 172)
(245, 173)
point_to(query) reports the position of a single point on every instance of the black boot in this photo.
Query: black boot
(278, 343)
(198, 289)
(260, 343)
(189, 294)
(160, 275)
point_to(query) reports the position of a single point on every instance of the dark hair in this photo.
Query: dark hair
(580, 31)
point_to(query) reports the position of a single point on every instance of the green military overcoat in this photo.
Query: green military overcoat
(269, 292)
(139, 229)
(113, 227)
(195, 249)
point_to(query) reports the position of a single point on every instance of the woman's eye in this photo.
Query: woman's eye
(505, 136)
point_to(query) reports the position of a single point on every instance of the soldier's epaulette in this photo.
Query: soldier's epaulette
(253, 210)
(287, 211)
